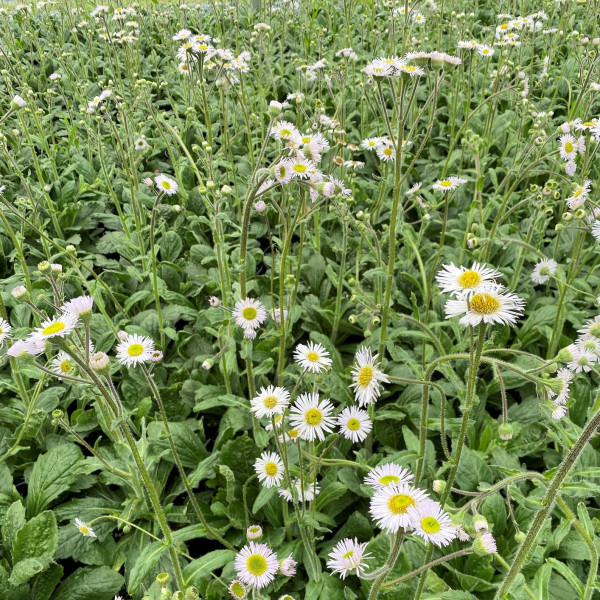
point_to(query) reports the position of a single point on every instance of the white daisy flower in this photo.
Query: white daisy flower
(430, 522)
(389, 506)
(60, 326)
(63, 364)
(485, 50)
(256, 565)
(463, 282)
(354, 423)
(379, 68)
(269, 468)
(85, 530)
(366, 377)
(282, 171)
(388, 474)
(347, 557)
(568, 147)
(489, 306)
(582, 359)
(5, 330)
(312, 357)
(141, 143)
(449, 184)
(591, 327)
(579, 195)
(80, 306)
(312, 416)
(135, 350)
(410, 70)
(544, 270)
(237, 589)
(386, 152)
(182, 34)
(166, 184)
(370, 143)
(249, 313)
(414, 189)
(270, 401)
(305, 490)
(287, 566)
(302, 168)
(286, 131)
(18, 349)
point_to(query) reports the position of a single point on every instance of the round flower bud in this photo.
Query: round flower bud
(505, 431)
(214, 301)
(207, 364)
(122, 335)
(191, 593)
(57, 414)
(156, 356)
(127, 529)
(162, 579)
(520, 537)
(254, 532)
(260, 206)
(44, 267)
(275, 109)
(210, 184)
(225, 190)
(19, 293)
(439, 485)
(485, 544)
(480, 524)
(178, 595)
(99, 362)
(567, 216)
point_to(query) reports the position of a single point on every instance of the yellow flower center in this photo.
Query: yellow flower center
(348, 554)
(249, 313)
(387, 479)
(135, 349)
(372, 143)
(271, 469)
(430, 525)
(306, 139)
(353, 424)
(484, 304)
(256, 564)
(578, 192)
(270, 402)
(589, 123)
(166, 185)
(53, 328)
(312, 356)
(399, 504)
(65, 367)
(238, 590)
(313, 416)
(365, 376)
(0, 330)
(292, 433)
(300, 168)
(568, 147)
(388, 151)
(446, 183)
(282, 171)
(285, 133)
(203, 47)
(83, 529)
(469, 279)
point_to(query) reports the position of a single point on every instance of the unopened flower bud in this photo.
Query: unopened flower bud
(19, 293)
(99, 361)
(162, 579)
(480, 524)
(439, 485)
(505, 431)
(486, 544)
(207, 364)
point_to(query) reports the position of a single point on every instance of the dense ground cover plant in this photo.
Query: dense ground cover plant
(299, 300)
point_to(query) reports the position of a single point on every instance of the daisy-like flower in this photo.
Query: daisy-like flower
(302, 168)
(18, 349)
(449, 184)
(582, 359)
(485, 544)
(430, 522)
(306, 490)
(370, 143)
(282, 171)
(140, 144)
(579, 195)
(366, 377)
(63, 364)
(386, 152)
(286, 131)
(463, 282)
(182, 34)
(414, 189)
(568, 147)
(485, 50)
(135, 350)
(312, 416)
(347, 557)
(249, 313)
(256, 565)
(354, 423)
(410, 70)
(80, 306)
(312, 357)
(270, 401)
(591, 327)
(60, 326)
(269, 469)
(389, 506)
(5, 330)
(544, 270)
(388, 474)
(489, 306)
(254, 532)
(84, 529)
(379, 68)
(166, 185)
(287, 566)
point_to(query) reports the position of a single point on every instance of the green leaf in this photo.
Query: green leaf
(24, 570)
(197, 569)
(145, 564)
(567, 574)
(87, 583)
(52, 474)
(37, 538)
(43, 585)
(13, 521)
